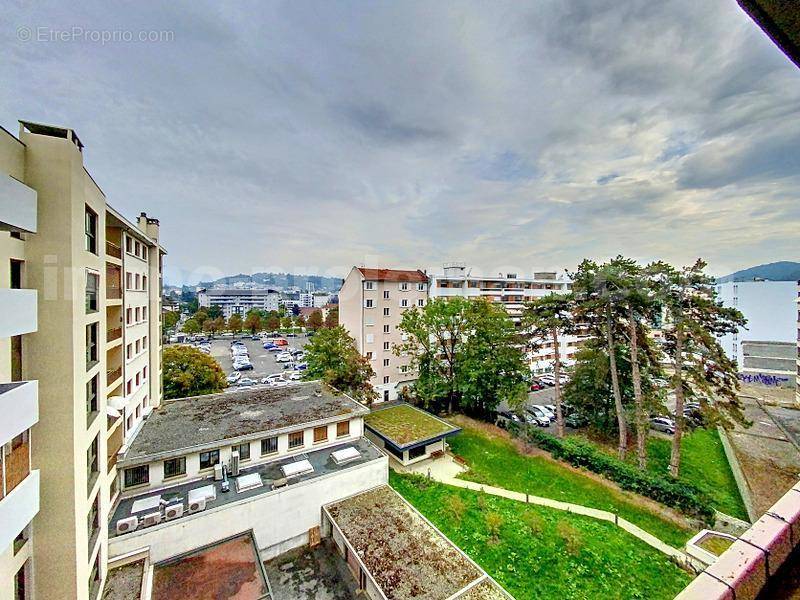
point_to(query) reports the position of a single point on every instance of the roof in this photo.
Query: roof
(393, 275)
(406, 556)
(206, 421)
(780, 20)
(237, 292)
(406, 426)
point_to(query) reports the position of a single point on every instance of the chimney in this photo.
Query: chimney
(148, 226)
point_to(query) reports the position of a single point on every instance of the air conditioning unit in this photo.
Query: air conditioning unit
(126, 525)
(218, 472)
(173, 511)
(197, 505)
(234, 464)
(151, 519)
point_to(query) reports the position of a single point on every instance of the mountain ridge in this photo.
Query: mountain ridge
(783, 270)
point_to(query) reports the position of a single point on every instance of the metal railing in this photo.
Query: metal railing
(113, 250)
(113, 375)
(113, 334)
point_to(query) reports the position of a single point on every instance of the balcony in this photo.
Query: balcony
(113, 334)
(113, 375)
(113, 250)
(17, 466)
(17, 312)
(18, 209)
(18, 508)
(114, 444)
(113, 282)
(19, 405)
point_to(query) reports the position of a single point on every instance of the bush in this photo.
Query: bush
(534, 522)
(669, 491)
(493, 524)
(456, 507)
(573, 541)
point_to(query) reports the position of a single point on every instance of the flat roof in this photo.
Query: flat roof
(321, 460)
(238, 292)
(407, 557)
(229, 569)
(191, 424)
(125, 582)
(406, 426)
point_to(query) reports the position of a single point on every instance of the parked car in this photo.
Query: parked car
(271, 378)
(279, 383)
(296, 376)
(504, 417)
(270, 346)
(300, 367)
(283, 358)
(243, 366)
(545, 411)
(247, 382)
(281, 342)
(234, 377)
(255, 337)
(536, 386)
(576, 420)
(663, 424)
(291, 334)
(274, 348)
(533, 419)
(539, 413)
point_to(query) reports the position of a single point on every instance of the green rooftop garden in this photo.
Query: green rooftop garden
(404, 424)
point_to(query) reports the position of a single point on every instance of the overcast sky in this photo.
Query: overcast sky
(312, 136)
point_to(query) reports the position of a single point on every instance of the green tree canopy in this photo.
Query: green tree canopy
(171, 319)
(190, 372)
(235, 323)
(315, 322)
(253, 321)
(201, 317)
(332, 318)
(191, 326)
(332, 356)
(214, 312)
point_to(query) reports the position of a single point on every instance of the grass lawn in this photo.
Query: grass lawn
(539, 553)
(405, 424)
(494, 460)
(703, 463)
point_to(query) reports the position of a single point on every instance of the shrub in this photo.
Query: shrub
(493, 524)
(573, 542)
(533, 521)
(455, 506)
(669, 491)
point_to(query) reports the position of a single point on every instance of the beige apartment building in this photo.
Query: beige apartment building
(371, 305)
(95, 351)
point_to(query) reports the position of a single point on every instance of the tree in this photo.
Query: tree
(300, 321)
(467, 354)
(171, 319)
(214, 312)
(235, 323)
(273, 323)
(286, 322)
(201, 317)
(315, 320)
(213, 326)
(191, 326)
(702, 371)
(332, 318)
(598, 289)
(253, 321)
(190, 372)
(549, 317)
(332, 356)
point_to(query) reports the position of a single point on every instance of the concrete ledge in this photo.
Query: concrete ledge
(738, 474)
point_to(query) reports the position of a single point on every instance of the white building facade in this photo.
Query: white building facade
(239, 301)
(769, 307)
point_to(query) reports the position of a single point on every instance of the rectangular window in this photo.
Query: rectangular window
(269, 446)
(137, 247)
(420, 287)
(91, 397)
(342, 429)
(91, 345)
(386, 312)
(386, 379)
(137, 314)
(421, 302)
(404, 286)
(138, 280)
(385, 294)
(128, 281)
(385, 362)
(368, 303)
(296, 439)
(128, 315)
(385, 345)
(174, 467)
(370, 338)
(92, 465)
(385, 329)
(144, 282)
(128, 244)
(369, 355)
(369, 285)
(93, 519)
(91, 230)
(404, 303)
(209, 459)
(320, 434)
(92, 297)
(243, 450)
(137, 475)
(129, 351)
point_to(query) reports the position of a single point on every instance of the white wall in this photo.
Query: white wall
(280, 519)
(18, 208)
(18, 508)
(770, 308)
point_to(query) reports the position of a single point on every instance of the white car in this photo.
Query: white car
(234, 377)
(279, 383)
(663, 424)
(295, 376)
(283, 358)
(273, 377)
(247, 382)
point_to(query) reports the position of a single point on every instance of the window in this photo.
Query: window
(320, 434)
(385, 362)
(128, 244)
(129, 351)
(93, 519)
(342, 429)
(370, 338)
(386, 312)
(174, 467)
(91, 398)
(138, 282)
(369, 285)
(368, 303)
(385, 294)
(243, 450)
(420, 287)
(91, 345)
(128, 281)
(296, 439)
(386, 379)
(269, 446)
(92, 459)
(403, 286)
(404, 303)
(137, 314)
(385, 345)
(209, 459)
(144, 373)
(91, 230)
(137, 248)
(144, 313)
(137, 475)
(144, 282)
(138, 410)
(128, 316)
(144, 252)
(92, 285)
(369, 355)
(136, 346)
(421, 302)
(385, 329)
(137, 383)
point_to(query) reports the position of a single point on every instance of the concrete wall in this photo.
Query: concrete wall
(280, 519)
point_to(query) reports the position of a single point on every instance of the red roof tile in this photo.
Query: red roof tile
(393, 275)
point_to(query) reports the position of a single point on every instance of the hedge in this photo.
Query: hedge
(669, 491)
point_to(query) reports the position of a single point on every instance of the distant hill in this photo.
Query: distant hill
(778, 271)
(280, 281)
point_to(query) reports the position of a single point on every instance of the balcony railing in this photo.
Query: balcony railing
(17, 466)
(113, 375)
(113, 282)
(113, 250)
(113, 334)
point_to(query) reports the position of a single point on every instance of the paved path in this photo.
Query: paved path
(446, 470)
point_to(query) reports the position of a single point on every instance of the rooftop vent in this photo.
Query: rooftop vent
(301, 467)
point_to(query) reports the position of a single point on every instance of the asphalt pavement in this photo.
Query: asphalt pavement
(263, 361)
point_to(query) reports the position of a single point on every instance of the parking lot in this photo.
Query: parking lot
(263, 362)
